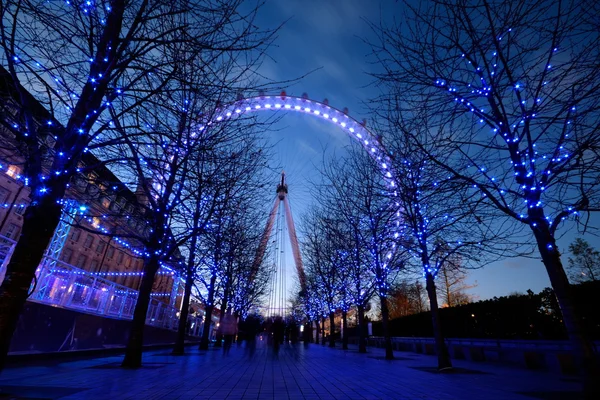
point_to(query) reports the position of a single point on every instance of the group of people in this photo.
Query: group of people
(247, 330)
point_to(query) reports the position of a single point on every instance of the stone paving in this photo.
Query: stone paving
(296, 372)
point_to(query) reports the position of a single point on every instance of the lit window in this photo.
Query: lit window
(20, 209)
(96, 222)
(13, 171)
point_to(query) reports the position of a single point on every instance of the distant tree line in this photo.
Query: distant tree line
(517, 316)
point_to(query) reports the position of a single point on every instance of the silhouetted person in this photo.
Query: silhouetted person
(293, 331)
(252, 326)
(228, 328)
(278, 331)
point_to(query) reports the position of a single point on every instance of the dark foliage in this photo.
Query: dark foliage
(526, 316)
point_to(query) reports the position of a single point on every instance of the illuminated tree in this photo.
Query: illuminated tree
(322, 262)
(442, 220)
(358, 282)
(356, 190)
(510, 89)
(217, 255)
(90, 64)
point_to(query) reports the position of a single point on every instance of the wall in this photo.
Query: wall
(42, 328)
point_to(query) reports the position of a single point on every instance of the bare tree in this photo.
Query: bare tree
(585, 264)
(442, 219)
(89, 64)
(453, 285)
(511, 87)
(357, 187)
(322, 259)
(407, 298)
(358, 282)
(201, 198)
(217, 256)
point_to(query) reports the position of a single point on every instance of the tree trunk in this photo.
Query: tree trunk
(323, 331)
(307, 333)
(208, 314)
(581, 345)
(387, 338)
(179, 348)
(224, 305)
(316, 331)
(206, 328)
(331, 329)
(133, 351)
(219, 341)
(39, 225)
(362, 332)
(14, 201)
(444, 362)
(345, 330)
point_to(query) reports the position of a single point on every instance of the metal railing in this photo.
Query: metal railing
(6, 248)
(62, 285)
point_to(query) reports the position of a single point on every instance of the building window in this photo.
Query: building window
(89, 240)
(80, 263)
(11, 231)
(101, 246)
(4, 193)
(92, 178)
(93, 265)
(66, 255)
(96, 222)
(50, 141)
(120, 257)
(110, 252)
(105, 202)
(20, 209)
(13, 171)
(75, 235)
(118, 204)
(80, 183)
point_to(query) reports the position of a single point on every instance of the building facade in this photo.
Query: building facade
(86, 266)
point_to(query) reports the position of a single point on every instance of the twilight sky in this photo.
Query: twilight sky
(328, 36)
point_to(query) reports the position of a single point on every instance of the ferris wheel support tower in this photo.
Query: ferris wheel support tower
(281, 197)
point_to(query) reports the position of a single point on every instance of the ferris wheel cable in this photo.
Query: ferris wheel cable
(279, 253)
(285, 293)
(274, 272)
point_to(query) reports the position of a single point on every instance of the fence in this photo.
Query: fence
(63, 285)
(553, 355)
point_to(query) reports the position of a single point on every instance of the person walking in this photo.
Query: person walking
(229, 329)
(278, 331)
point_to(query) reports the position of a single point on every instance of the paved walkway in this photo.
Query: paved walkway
(316, 372)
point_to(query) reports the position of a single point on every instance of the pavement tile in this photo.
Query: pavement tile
(314, 373)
